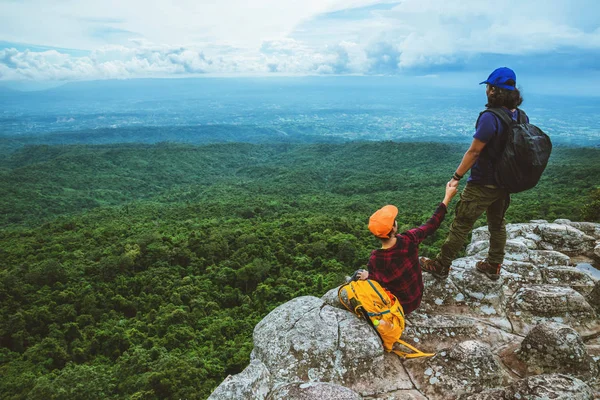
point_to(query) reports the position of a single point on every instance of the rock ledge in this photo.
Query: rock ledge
(533, 334)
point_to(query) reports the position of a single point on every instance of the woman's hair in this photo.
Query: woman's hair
(510, 99)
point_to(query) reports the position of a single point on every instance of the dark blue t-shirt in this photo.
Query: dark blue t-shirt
(491, 131)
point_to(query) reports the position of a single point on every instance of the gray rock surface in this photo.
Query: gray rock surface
(254, 382)
(534, 304)
(589, 228)
(438, 294)
(305, 339)
(494, 339)
(431, 332)
(392, 377)
(517, 273)
(555, 387)
(480, 234)
(468, 367)
(331, 299)
(594, 297)
(313, 391)
(412, 394)
(568, 276)
(540, 387)
(484, 295)
(552, 301)
(545, 258)
(556, 348)
(565, 238)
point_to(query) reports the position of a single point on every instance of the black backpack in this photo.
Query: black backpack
(525, 155)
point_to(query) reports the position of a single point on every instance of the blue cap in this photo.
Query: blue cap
(499, 78)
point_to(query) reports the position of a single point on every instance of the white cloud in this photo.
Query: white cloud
(289, 37)
(439, 31)
(144, 59)
(112, 62)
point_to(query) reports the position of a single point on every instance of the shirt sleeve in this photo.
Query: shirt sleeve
(419, 234)
(487, 126)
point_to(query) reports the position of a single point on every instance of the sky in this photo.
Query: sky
(72, 40)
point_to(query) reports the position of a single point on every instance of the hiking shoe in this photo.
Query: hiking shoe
(434, 268)
(490, 270)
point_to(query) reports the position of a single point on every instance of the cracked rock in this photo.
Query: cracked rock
(305, 339)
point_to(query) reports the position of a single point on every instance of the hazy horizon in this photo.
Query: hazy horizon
(283, 70)
(308, 109)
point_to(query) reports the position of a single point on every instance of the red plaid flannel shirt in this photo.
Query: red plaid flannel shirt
(397, 269)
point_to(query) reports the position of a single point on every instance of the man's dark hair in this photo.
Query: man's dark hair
(391, 233)
(510, 99)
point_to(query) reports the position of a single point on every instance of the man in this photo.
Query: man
(482, 193)
(396, 264)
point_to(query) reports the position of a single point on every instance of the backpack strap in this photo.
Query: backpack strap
(508, 121)
(523, 118)
(501, 114)
(417, 353)
(377, 291)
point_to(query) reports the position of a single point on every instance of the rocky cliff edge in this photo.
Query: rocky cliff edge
(533, 334)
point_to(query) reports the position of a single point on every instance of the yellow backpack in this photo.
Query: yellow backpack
(368, 299)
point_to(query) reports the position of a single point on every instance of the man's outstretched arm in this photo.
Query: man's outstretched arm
(419, 234)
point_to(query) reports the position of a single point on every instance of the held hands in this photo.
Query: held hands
(451, 190)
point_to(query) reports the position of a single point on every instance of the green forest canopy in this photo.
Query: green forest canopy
(140, 271)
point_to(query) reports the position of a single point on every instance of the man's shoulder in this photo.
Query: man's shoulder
(404, 239)
(487, 118)
(497, 115)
